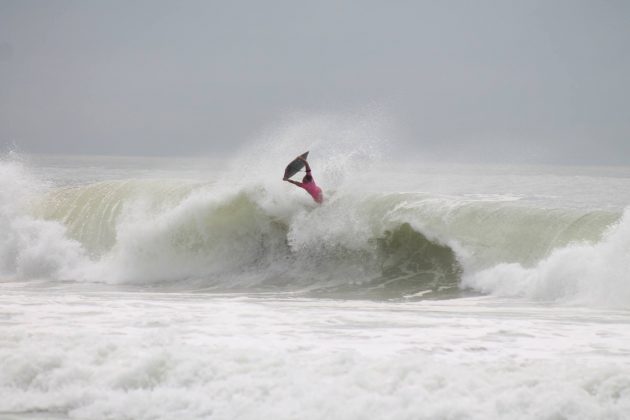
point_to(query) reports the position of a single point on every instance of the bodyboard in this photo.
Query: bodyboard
(295, 166)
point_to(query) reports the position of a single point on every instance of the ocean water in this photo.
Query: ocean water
(147, 288)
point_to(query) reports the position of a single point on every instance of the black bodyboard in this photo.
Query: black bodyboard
(295, 166)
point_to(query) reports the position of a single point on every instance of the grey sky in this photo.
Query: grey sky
(532, 81)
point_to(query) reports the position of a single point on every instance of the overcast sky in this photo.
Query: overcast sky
(516, 81)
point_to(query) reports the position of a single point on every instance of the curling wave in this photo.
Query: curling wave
(196, 235)
(156, 232)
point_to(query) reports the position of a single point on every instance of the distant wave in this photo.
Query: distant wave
(183, 234)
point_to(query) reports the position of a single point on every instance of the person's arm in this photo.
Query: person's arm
(308, 168)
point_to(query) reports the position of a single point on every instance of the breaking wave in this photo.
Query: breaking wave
(256, 237)
(593, 273)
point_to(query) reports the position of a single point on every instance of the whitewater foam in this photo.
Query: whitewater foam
(144, 356)
(31, 248)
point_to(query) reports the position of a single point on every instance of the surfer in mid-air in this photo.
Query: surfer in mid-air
(308, 183)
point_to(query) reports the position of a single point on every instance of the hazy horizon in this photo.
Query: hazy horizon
(490, 81)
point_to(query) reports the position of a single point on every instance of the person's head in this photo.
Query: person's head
(307, 178)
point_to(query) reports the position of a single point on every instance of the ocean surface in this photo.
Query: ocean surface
(150, 288)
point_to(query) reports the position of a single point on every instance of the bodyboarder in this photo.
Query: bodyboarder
(308, 183)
